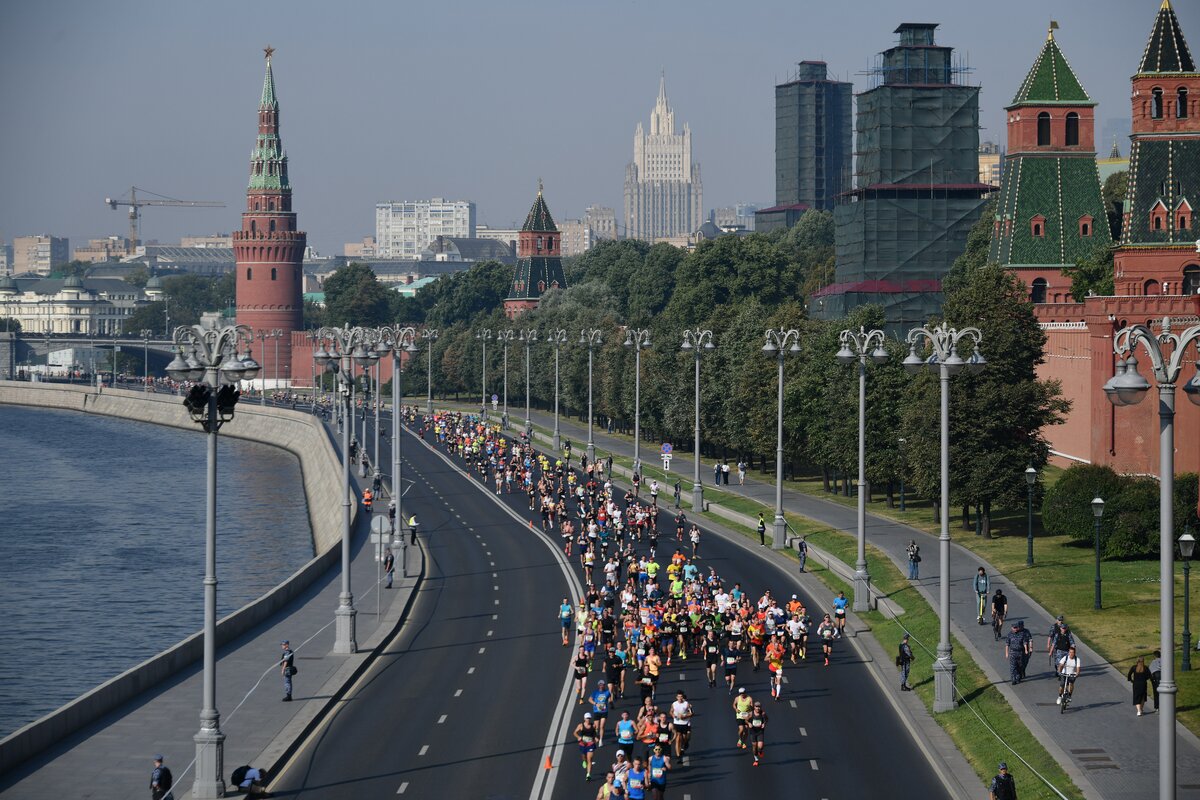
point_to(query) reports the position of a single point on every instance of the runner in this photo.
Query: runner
(712, 657)
(757, 725)
(564, 618)
(827, 631)
(581, 672)
(731, 656)
(775, 664)
(681, 723)
(742, 706)
(839, 611)
(585, 734)
(600, 700)
(658, 764)
(626, 729)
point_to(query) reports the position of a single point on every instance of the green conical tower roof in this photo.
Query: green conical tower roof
(1166, 51)
(539, 218)
(268, 93)
(1051, 80)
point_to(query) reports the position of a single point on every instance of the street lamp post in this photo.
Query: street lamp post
(1187, 545)
(146, 359)
(857, 346)
(1097, 513)
(214, 362)
(944, 341)
(637, 338)
(339, 349)
(527, 337)
(903, 466)
(557, 338)
(276, 334)
(505, 336)
(1128, 387)
(780, 343)
(397, 339)
(1031, 476)
(697, 341)
(592, 338)
(483, 336)
(262, 349)
(430, 336)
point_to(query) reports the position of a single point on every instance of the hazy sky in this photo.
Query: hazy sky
(400, 99)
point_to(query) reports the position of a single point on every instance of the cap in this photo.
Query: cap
(1061, 617)
(1003, 765)
(794, 597)
(741, 690)
(620, 754)
(158, 757)
(599, 683)
(285, 641)
(587, 715)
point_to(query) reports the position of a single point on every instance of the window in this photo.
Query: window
(1158, 216)
(1043, 129)
(1150, 287)
(272, 226)
(1183, 215)
(249, 273)
(1156, 103)
(1072, 129)
(1191, 279)
(1085, 225)
(1181, 103)
(1157, 222)
(1037, 226)
(539, 244)
(273, 271)
(1038, 292)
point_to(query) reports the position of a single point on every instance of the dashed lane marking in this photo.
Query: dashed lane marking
(793, 702)
(497, 602)
(424, 750)
(481, 650)
(458, 693)
(471, 671)
(803, 732)
(813, 764)
(442, 719)
(489, 633)
(495, 616)
(495, 588)
(403, 788)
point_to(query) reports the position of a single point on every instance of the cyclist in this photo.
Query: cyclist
(981, 585)
(999, 612)
(1061, 642)
(1068, 667)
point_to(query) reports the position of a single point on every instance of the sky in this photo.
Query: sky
(463, 99)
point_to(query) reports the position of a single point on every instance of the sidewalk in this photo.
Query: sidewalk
(112, 758)
(1108, 751)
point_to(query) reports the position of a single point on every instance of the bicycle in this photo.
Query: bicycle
(997, 626)
(1065, 682)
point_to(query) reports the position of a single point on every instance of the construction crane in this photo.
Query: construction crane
(135, 208)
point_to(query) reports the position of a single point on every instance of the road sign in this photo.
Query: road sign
(667, 449)
(666, 457)
(380, 525)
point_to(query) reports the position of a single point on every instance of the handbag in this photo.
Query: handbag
(917, 559)
(293, 670)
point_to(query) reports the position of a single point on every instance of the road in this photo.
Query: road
(485, 706)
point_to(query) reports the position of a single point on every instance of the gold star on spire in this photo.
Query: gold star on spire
(539, 187)
(268, 50)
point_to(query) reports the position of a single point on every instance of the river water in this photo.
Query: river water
(102, 545)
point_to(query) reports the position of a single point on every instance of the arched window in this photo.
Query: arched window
(1181, 103)
(1043, 129)
(539, 244)
(1085, 225)
(1156, 103)
(1037, 293)
(252, 227)
(1150, 287)
(1072, 129)
(272, 226)
(249, 273)
(1158, 222)
(1037, 226)
(273, 273)
(1191, 279)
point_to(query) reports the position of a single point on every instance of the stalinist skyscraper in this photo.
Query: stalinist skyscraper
(663, 197)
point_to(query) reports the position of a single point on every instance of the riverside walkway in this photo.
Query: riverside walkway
(1109, 752)
(112, 757)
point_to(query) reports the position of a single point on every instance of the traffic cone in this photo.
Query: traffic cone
(548, 765)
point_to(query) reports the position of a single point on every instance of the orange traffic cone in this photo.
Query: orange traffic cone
(548, 765)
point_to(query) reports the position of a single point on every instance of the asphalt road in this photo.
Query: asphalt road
(469, 699)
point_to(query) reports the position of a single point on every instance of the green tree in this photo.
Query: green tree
(72, 269)
(1092, 275)
(354, 296)
(139, 276)
(1114, 191)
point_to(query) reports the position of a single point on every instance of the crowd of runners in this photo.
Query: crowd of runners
(649, 603)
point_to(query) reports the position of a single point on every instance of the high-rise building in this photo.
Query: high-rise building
(269, 251)
(404, 229)
(539, 260)
(603, 222)
(991, 163)
(6, 259)
(663, 194)
(110, 248)
(917, 192)
(39, 254)
(812, 138)
(1050, 214)
(576, 237)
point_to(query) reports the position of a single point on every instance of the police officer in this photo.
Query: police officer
(1027, 640)
(285, 668)
(412, 526)
(1014, 651)
(389, 567)
(1003, 786)
(161, 780)
(762, 530)
(905, 659)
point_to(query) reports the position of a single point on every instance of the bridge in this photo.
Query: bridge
(25, 348)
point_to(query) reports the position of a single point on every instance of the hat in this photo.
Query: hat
(587, 715)
(1061, 617)
(285, 642)
(158, 757)
(1003, 765)
(741, 690)
(599, 683)
(793, 597)
(620, 754)
(905, 637)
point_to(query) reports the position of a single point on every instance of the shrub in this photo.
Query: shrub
(1067, 508)
(1129, 528)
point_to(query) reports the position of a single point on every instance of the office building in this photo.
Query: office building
(663, 194)
(404, 229)
(39, 254)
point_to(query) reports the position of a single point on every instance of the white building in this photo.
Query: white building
(88, 306)
(603, 222)
(663, 194)
(403, 230)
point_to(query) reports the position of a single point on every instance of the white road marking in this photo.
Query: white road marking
(497, 601)
(481, 650)
(492, 563)
(424, 750)
(793, 702)
(471, 671)
(813, 764)
(495, 616)
(458, 693)
(403, 788)
(683, 676)
(494, 575)
(803, 732)
(441, 719)
(489, 633)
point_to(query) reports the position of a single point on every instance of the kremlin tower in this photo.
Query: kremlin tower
(539, 264)
(268, 249)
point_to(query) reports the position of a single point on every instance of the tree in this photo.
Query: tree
(139, 276)
(354, 296)
(10, 325)
(72, 269)
(1092, 275)
(1114, 191)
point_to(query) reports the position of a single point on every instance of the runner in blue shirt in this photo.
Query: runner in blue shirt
(600, 700)
(565, 613)
(657, 765)
(635, 781)
(839, 611)
(625, 731)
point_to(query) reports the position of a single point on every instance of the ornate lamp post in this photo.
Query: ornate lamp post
(430, 335)
(1031, 476)
(637, 338)
(505, 336)
(1166, 351)
(697, 341)
(214, 361)
(591, 338)
(276, 334)
(944, 341)
(1097, 513)
(557, 338)
(528, 336)
(395, 340)
(779, 343)
(857, 346)
(146, 359)
(903, 467)
(1187, 546)
(339, 349)
(262, 349)
(483, 336)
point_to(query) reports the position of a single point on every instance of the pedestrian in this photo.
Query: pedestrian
(250, 780)
(1139, 676)
(725, 472)
(287, 668)
(904, 661)
(981, 585)
(678, 493)
(412, 526)
(389, 567)
(802, 552)
(741, 468)
(1014, 651)
(1003, 786)
(762, 530)
(716, 473)
(161, 780)
(1156, 675)
(914, 559)
(1027, 646)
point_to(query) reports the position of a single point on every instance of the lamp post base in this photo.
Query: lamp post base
(556, 442)
(697, 498)
(862, 589)
(344, 623)
(779, 533)
(591, 452)
(210, 764)
(944, 670)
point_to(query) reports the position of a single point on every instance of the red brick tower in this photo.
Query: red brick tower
(268, 249)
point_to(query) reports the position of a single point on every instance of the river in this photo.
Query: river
(102, 545)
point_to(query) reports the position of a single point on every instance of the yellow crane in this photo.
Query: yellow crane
(135, 208)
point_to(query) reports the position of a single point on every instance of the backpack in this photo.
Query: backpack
(165, 779)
